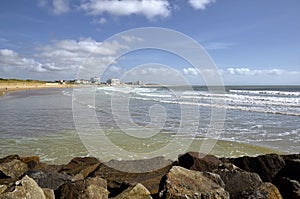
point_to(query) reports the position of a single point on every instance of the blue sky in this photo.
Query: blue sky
(251, 42)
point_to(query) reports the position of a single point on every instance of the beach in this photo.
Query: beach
(19, 86)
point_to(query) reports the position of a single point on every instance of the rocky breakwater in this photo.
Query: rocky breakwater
(193, 175)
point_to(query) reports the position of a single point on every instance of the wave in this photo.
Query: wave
(266, 92)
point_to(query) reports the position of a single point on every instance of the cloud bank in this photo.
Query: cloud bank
(149, 8)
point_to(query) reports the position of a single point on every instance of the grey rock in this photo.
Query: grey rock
(237, 181)
(51, 180)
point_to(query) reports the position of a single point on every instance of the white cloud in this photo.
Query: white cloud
(250, 72)
(129, 38)
(190, 71)
(100, 21)
(10, 59)
(60, 6)
(64, 56)
(148, 8)
(200, 4)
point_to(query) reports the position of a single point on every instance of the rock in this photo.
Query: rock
(9, 158)
(270, 189)
(237, 181)
(26, 188)
(139, 166)
(13, 169)
(288, 188)
(199, 162)
(184, 183)
(95, 188)
(80, 166)
(2, 188)
(47, 167)
(49, 193)
(31, 161)
(51, 180)
(266, 166)
(137, 191)
(291, 170)
(118, 181)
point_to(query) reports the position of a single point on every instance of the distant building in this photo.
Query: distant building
(140, 83)
(113, 81)
(82, 81)
(95, 80)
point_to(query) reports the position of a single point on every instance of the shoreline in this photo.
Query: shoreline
(12, 87)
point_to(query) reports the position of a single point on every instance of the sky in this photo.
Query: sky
(250, 42)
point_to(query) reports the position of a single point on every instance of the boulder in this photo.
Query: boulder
(184, 183)
(31, 161)
(139, 166)
(236, 181)
(199, 162)
(47, 167)
(137, 191)
(12, 169)
(291, 170)
(94, 188)
(266, 166)
(2, 188)
(118, 181)
(9, 158)
(51, 180)
(80, 166)
(25, 188)
(288, 188)
(270, 189)
(49, 193)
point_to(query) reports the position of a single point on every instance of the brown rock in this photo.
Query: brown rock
(90, 188)
(137, 191)
(80, 166)
(31, 161)
(199, 162)
(118, 181)
(9, 158)
(266, 166)
(183, 183)
(270, 189)
(13, 169)
(47, 167)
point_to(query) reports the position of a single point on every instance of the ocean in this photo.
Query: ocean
(127, 122)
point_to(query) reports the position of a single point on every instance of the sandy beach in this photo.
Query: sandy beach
(18, 86)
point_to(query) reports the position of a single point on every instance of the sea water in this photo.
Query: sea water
(259, 119)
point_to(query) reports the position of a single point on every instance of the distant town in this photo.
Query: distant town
(96, 81)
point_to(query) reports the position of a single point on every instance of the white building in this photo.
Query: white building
(95, 80)
(113, 81)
